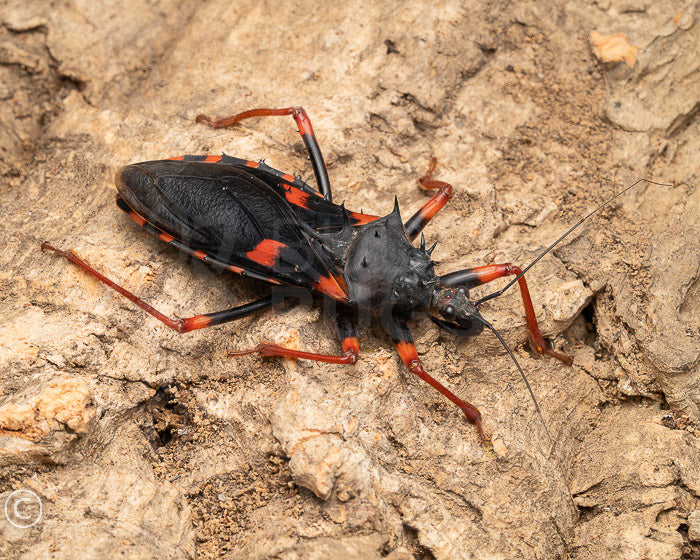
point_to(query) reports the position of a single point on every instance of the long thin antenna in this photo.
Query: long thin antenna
(522, 373)
(548, 249)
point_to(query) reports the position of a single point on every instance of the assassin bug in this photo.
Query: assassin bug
(253, 220)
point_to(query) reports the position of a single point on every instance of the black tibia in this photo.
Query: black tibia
(305, 129)
(420, 219)
(467, 279)
(228, 315)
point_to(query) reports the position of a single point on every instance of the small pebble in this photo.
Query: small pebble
(499, 447)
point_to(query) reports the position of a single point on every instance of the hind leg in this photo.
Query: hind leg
(305, 129)
(179, 325)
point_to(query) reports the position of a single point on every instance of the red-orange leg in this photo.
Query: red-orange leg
(305, 129)
(420, 219)
(407, 351)
(346, 332)
(481, 275)
(351, 352)
(179, 325)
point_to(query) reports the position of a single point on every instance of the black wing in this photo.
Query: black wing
(305, 201)
(226, 216)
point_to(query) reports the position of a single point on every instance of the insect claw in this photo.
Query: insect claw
(203, 118)
(46, 246)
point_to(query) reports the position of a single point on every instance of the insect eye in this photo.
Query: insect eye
(449, 311)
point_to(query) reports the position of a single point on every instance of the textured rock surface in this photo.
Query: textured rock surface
(41, 422)
(143, 442)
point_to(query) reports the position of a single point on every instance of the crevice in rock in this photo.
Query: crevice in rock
(417, 549)
(168, 417)
(682, 121)
(691, 549)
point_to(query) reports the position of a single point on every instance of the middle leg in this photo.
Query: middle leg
(403, 339)
(347, 334)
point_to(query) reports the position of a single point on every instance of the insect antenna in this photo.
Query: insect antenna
(548, 249)
(522, 373)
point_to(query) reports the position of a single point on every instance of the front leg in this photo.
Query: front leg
(472, 277)
(407, 350)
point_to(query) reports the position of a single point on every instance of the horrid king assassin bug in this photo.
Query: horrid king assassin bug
(248, 218)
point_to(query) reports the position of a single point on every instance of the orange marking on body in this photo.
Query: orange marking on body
(166, 237)
(212, 159)
(236, 269)
(138, 219)
(329, 285)
(407, 351)
(266, 252)
(297, 197)
(200, 254)
(254, 164)
(177, 158)
(287, 177)
(342, 283)
(362, 219)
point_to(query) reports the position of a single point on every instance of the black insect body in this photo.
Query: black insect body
(384, 270)
(253, 220)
